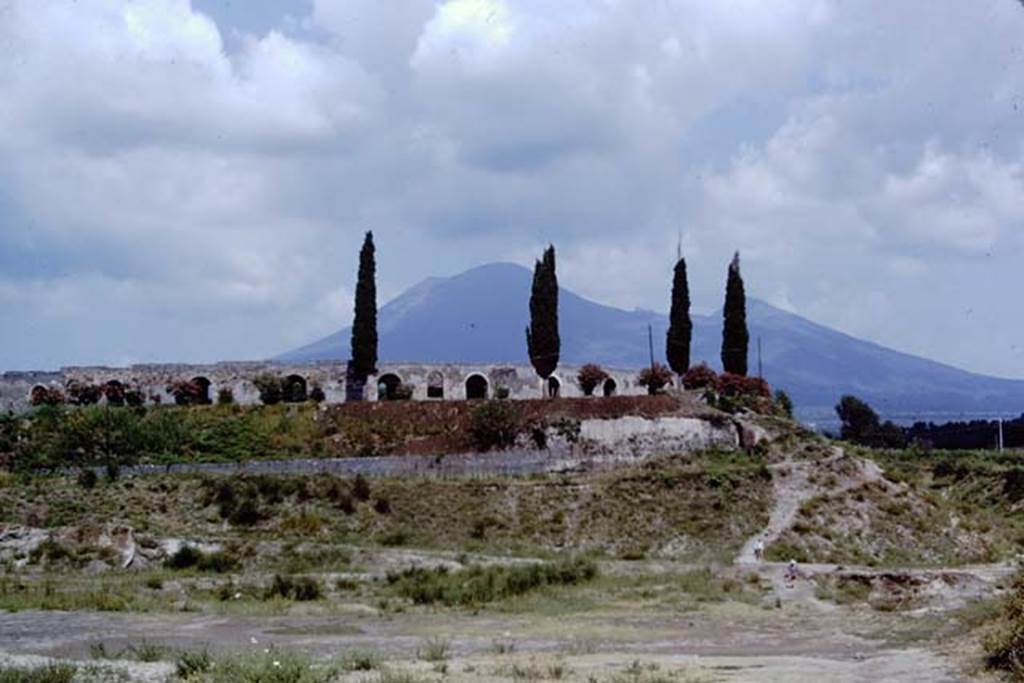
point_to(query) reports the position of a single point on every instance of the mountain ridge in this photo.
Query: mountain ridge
(445, 319)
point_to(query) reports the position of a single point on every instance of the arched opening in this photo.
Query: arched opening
(202, 395)
(435, 385)
(114, 391)
(39, 395)
(554, 387)
(476, 387)
(609, 387)
(295, 389)
(387, 387)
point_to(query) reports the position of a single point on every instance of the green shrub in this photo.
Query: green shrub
(191, 664)
(247, 513)
(300, 588)
(188, 557)
(361, 488)
(53, 673)
(185, 557)
(480, 585)
(87, 478)
(494, 424)
(1004, 649)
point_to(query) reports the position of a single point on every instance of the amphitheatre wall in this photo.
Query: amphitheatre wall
(452, 381)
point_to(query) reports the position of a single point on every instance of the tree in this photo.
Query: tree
(680, 329)
(364, 324)
(735, 337)
(860, 425)
(859, 422)
(542, 340)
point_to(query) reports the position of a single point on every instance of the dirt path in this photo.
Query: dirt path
(792, 486)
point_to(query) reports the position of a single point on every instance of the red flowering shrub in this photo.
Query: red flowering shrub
(737, 385)
(701, 377)
(46, 396)
(589, 377)
(655, 378)
(186, 393)
(83, 394)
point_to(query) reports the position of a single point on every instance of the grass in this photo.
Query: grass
(52, 673)
(434, 649)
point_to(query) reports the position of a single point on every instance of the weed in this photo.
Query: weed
(434, 649)
(360, 660)
(191, 663)
(52, 673)
(300, 588)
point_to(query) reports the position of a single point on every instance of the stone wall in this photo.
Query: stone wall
(427, 381)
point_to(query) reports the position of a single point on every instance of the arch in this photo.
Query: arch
(609, 387)
(114, 391)
(476, 387)
(387, 387)
(435, 385)
(38, 395)
(553, 386)
(203, 390)
(295, 391)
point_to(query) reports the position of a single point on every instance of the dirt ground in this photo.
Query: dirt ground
(788, 635)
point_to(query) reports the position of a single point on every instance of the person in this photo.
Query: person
(759, 549)
(791, 572)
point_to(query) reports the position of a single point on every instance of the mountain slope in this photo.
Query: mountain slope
(480, 316)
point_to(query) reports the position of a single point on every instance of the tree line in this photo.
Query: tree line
(543, 341)
(860, 424)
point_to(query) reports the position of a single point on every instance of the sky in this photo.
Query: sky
(191, 181)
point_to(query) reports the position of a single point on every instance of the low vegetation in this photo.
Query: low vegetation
(481, 585)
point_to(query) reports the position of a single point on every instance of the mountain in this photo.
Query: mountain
(480, 316)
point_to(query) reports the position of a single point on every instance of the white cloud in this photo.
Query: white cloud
(863, 156)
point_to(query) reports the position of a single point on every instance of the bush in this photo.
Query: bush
(700, 377)
(480, 585)
(87, 478)
(186, 557)
(590, 377)
(655, 378)
(51, 673)
(1005, 648)
(784, 402)
(403, 392)
(738, 386)
(494, 424)
(271, 389)
(46, 396)
(187, 393)
(246, 513)
(225, 396)
(299, 588)
(83, 394)
(317, 395)
(361, 488)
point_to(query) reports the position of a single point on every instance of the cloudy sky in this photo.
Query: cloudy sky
(190, 181)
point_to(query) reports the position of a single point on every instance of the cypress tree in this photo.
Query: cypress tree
(735, 337)
(542, 340)
(364, 324)
(680, 328)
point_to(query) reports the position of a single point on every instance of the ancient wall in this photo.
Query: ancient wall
(452, 381)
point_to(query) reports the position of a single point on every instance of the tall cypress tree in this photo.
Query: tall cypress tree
(364, 325)
(735, 337)
(680, 328)
(542, 340)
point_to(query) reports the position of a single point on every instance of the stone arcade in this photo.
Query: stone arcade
(452, 381)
